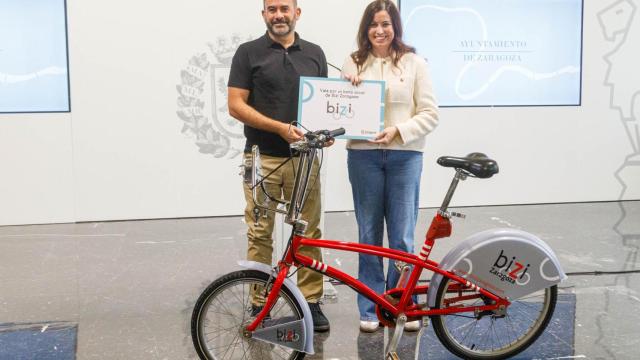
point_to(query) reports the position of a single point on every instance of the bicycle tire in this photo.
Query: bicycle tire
(450, 328)
(225, 292)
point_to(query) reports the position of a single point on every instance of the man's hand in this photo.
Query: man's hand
(290, 133)
(386, 136)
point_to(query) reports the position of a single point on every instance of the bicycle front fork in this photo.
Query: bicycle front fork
(271, 298)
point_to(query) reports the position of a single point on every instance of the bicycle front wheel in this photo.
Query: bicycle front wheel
(491, 335)
(224, 310)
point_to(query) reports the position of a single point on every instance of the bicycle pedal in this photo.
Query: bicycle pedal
(426, 321)
(393, 356)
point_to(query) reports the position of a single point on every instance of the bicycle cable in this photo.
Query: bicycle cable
(269, 174)
(294, 271)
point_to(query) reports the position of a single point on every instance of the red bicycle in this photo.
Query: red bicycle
(489, 298)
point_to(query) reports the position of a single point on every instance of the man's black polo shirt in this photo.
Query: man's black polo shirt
(272, 75)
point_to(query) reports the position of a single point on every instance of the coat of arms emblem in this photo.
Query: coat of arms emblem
(202, 101)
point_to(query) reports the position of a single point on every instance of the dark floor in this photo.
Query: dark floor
(129, 287)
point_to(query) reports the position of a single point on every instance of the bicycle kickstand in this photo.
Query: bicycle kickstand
(391, 353)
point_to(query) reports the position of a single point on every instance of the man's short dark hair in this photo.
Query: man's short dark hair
(264, 3)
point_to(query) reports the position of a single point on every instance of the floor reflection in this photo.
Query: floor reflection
(139, 279)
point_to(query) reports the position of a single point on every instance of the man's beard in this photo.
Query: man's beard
(290, 26)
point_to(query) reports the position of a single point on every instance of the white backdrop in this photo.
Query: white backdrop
(147, 137)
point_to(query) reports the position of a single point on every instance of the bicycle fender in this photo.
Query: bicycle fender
(506, 262)
(308, 321)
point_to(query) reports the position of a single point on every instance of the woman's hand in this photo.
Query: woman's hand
(386, 136)
(354, 79)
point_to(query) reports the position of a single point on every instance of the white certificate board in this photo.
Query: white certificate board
(327, 104)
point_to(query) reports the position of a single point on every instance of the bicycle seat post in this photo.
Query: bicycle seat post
(459, 176)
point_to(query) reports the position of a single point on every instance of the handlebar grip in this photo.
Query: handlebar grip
(336, 132)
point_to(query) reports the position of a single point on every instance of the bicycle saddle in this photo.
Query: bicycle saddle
(475, 164)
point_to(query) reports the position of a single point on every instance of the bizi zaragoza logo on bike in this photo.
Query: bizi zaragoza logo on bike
(512, 271)
(287, 336)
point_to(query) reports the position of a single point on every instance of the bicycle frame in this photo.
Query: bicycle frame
(478, 281)
(440, 228)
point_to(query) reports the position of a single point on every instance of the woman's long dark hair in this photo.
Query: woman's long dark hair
(399, 48)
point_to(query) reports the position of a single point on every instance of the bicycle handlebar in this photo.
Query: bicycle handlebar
(317, 139)
(336, 132)
(307, 147)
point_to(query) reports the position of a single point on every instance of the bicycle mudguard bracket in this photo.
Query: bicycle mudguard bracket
(306, 335)
(507, 262)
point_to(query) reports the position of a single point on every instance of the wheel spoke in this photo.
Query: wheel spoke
(489, 334)
(511, 329)
(473, 331)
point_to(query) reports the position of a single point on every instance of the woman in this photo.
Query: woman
(385, 172)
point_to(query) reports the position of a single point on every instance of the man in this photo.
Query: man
(263, 94)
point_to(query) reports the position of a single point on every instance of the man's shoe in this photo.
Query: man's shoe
(412, 326)
(369, 326)
(320, 322)
(255, 310)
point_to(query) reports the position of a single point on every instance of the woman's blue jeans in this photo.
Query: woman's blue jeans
(386, 188)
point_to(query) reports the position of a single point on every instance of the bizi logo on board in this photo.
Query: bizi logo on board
(339, 111)
(511, 269)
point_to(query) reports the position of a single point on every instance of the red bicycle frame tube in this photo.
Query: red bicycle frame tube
(379, 299)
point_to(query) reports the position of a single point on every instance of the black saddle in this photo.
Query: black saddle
(474, 164)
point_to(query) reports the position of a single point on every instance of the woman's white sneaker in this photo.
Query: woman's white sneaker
(412, 326)
(369, 326)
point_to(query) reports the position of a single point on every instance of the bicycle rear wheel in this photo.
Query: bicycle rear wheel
(491, 336)
(225, 308)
